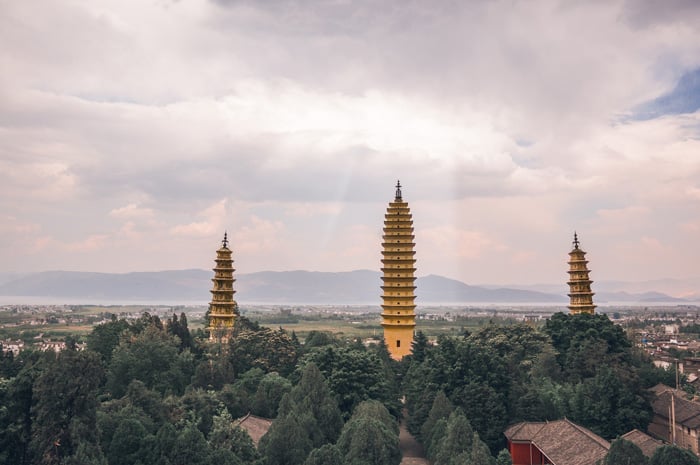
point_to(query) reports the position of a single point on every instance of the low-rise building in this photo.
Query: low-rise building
(646, 443)
(676, 420)
(559, 442)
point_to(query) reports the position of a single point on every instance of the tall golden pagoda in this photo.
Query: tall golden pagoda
(581, 297)
(222, 308)
(398, 316)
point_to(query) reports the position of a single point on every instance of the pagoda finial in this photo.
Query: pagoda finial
(224, 243)
(576, 242)
(398, 191)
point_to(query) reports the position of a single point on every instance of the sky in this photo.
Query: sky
(133, 133)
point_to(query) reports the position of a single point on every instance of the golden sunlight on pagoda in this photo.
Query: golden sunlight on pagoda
(222, 308)
(581, 297)
(398, 316)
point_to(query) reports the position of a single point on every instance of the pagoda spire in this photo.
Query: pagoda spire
(222, 308)
(580, 295)
(398, 307)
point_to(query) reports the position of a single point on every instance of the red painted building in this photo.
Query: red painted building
(558, 442)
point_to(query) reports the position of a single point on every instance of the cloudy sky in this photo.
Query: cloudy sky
(133, 133)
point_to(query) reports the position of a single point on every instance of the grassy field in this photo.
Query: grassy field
(57, 322)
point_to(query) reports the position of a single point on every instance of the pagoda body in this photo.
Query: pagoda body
(222, 308)
(398, 316)
(580, 295)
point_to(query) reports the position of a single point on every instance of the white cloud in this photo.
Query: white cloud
(158, 126)
(132, 210)
(212, 224)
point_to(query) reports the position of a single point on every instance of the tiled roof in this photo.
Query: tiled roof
(256, 427)
(643, 441)
(562, 441)
(687, 412)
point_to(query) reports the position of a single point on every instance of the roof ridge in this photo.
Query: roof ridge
(602, 442)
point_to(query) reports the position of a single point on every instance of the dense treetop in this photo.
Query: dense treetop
(151, 392)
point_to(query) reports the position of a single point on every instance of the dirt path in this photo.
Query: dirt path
(413, 453)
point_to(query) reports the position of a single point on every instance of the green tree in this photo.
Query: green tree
(16, 398)
(213, 372)
(486, 410)
(623, 452)
(199, 407)
(419, 346)
(104, 338)
(312, 396)
(87, 454)
(672, 455)
(354, 376)
(179, 329)
(147, 400)
(128, 445)
(238, 397)
(65, 406)
(308, 418)
(152, 357)
(225, 435)
(327, 454)
(286, 442)
(458, 439)
(585, 341)
(504, 458)
(377, 411)
(366, 441)
(432, 444)
(134, 426)
(190, 448)
(606, 406)
(253, 346)
(480, 454)
(320, 339)
(441, 409)
(269, 394)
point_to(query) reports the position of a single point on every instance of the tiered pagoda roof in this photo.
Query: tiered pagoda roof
(222, 308)
(398, 307)
(580, 295)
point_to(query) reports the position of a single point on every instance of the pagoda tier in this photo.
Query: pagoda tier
(580, 295)
(398, 316)
(222, 308)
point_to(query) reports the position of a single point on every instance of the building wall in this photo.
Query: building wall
(660, 428)
(526, 454)
(398, 340)
(686, 438)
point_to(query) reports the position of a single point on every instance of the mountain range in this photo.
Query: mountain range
(286, 287)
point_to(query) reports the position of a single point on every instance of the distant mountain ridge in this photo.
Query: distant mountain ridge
(279, 287)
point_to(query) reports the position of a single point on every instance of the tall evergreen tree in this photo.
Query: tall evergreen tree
(366, 441)
(459, 438)
(64, 412)
(441, 408)
(286, 442)
(328, 454)
(308, 418)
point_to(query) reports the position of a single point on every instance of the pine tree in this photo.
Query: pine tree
(442, 408)
(459, 438)
(504, 458)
